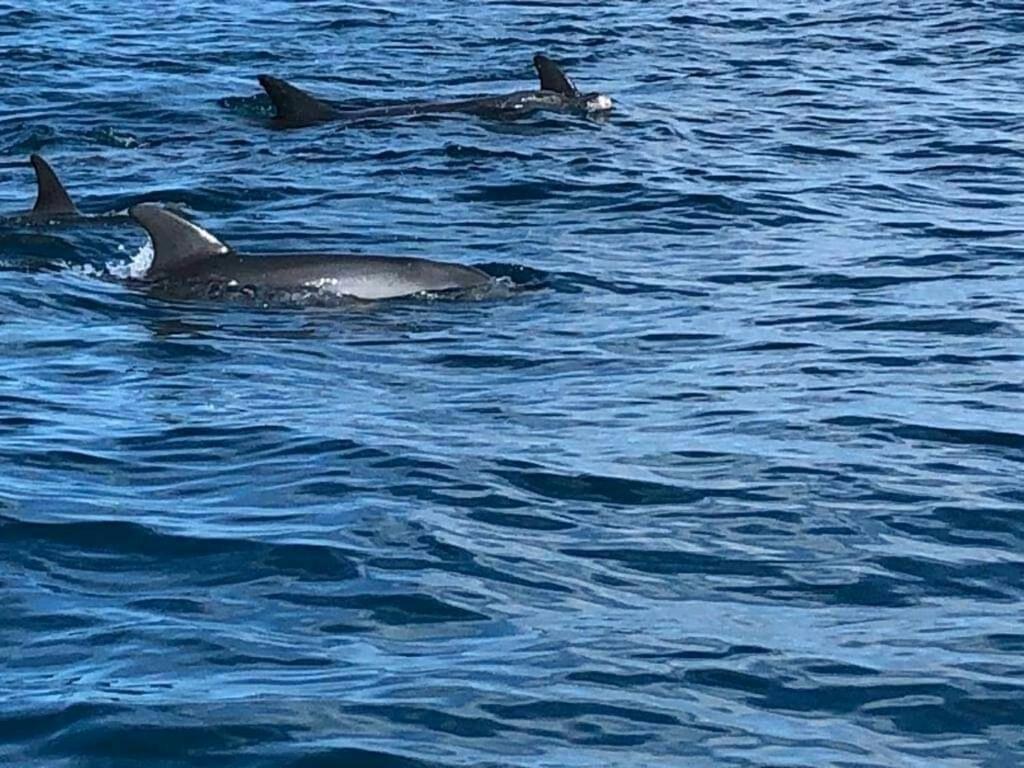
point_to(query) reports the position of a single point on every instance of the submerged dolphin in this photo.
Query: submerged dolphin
(189, 261)
(295, 108)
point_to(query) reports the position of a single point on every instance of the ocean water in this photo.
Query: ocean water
(733, 476)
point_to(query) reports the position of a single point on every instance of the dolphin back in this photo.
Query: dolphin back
(51, 199)
(552, 78)
(178, 244)
(295, 108)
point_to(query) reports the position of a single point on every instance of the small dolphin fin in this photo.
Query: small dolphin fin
(295, 108)
(52, 198)
(552, 78)
(177, 244)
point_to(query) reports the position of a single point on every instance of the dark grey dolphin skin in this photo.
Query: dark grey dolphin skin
(295, 108)
(189, 261)
(54, 205)
(52, 201)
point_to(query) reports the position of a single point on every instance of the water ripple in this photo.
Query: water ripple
(728, 476)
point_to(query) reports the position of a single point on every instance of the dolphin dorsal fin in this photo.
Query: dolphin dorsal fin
(552, 78)
(295, 107)
(177, 243)
(51, 197)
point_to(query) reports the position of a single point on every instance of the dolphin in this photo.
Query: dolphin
(53, 203)
(188, 261)
(296, 108)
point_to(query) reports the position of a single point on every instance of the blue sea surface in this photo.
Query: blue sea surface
(732, 477)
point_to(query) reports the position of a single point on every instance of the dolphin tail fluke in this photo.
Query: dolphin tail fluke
(177, 243)
(552, 78)
(295, 108)
(52, 198)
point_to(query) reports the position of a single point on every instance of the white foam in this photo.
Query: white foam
(85, 269)
(135, 269)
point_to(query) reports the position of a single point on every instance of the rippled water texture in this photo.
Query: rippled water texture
(737, 482)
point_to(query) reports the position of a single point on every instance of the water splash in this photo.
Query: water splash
(112, 138)
(137, 267)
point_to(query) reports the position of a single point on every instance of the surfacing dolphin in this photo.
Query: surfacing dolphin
(53, 203)
(190, 262)
(296, 108)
